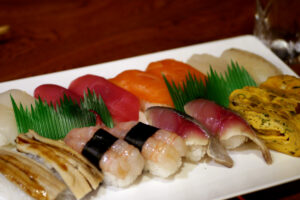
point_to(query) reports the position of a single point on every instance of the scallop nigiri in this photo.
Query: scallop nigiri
(122, 105)
(162, 150)
(120, 162)
(231, 129)
(196, 137)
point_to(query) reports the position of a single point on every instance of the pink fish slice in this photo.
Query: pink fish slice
(198, 140)
(229, 127)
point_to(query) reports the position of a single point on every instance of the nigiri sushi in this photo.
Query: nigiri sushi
(149, 88)
(173, 70)
(53, 94)
(162, 150)
(231, 129)
(122, 105)
(8, 125)
(78, 173)
(196, 137)
(120, 162)
(30, 176)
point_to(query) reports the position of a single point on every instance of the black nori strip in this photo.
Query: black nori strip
(97, 146)
(138, 135)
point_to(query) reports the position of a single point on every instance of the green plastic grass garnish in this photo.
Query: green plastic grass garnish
(216, 87)
(55, 123)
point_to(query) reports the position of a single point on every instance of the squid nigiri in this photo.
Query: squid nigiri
(122, 105)
(196, 137)
(231, 129)
(120, 162)
(162, 150)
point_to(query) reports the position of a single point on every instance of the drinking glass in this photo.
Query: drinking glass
(277, 24)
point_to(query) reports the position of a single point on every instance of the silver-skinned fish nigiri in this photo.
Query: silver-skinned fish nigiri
(195, 135)
(230, 128)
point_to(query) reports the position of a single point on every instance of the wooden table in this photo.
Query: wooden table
(48, 36)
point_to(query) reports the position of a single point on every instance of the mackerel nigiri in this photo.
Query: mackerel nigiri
(196, 137)
(231, 129)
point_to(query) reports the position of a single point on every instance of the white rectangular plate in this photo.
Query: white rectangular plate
(206, 180)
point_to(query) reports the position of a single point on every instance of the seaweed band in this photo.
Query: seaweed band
(98, 145)
(139, 134)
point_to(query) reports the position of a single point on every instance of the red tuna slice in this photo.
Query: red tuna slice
(231, 129)
(122, 105)
(54, 93)
(197, 138)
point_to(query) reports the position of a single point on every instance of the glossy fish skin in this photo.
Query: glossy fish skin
(225, 124)
(194, 134)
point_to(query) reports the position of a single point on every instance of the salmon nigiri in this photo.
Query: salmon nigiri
(173, 70)
(231, 129)
(147, 87)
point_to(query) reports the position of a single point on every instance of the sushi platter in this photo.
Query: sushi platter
(206, 179)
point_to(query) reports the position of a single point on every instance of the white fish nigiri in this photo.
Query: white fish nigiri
(8, 125)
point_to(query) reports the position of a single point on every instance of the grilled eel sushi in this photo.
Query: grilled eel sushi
(74, 171)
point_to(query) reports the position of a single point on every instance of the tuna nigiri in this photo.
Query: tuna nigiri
(196, 137)
(53, 94)
(120, 162)
(231, 129)
(122, 105)
(162, 150)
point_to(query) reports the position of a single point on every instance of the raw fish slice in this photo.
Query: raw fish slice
(173, 70)
(54, 94)
(197, 138)
(8, 126)
(19, 97)
(123, 105)
(231, 129)
(147, 87)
